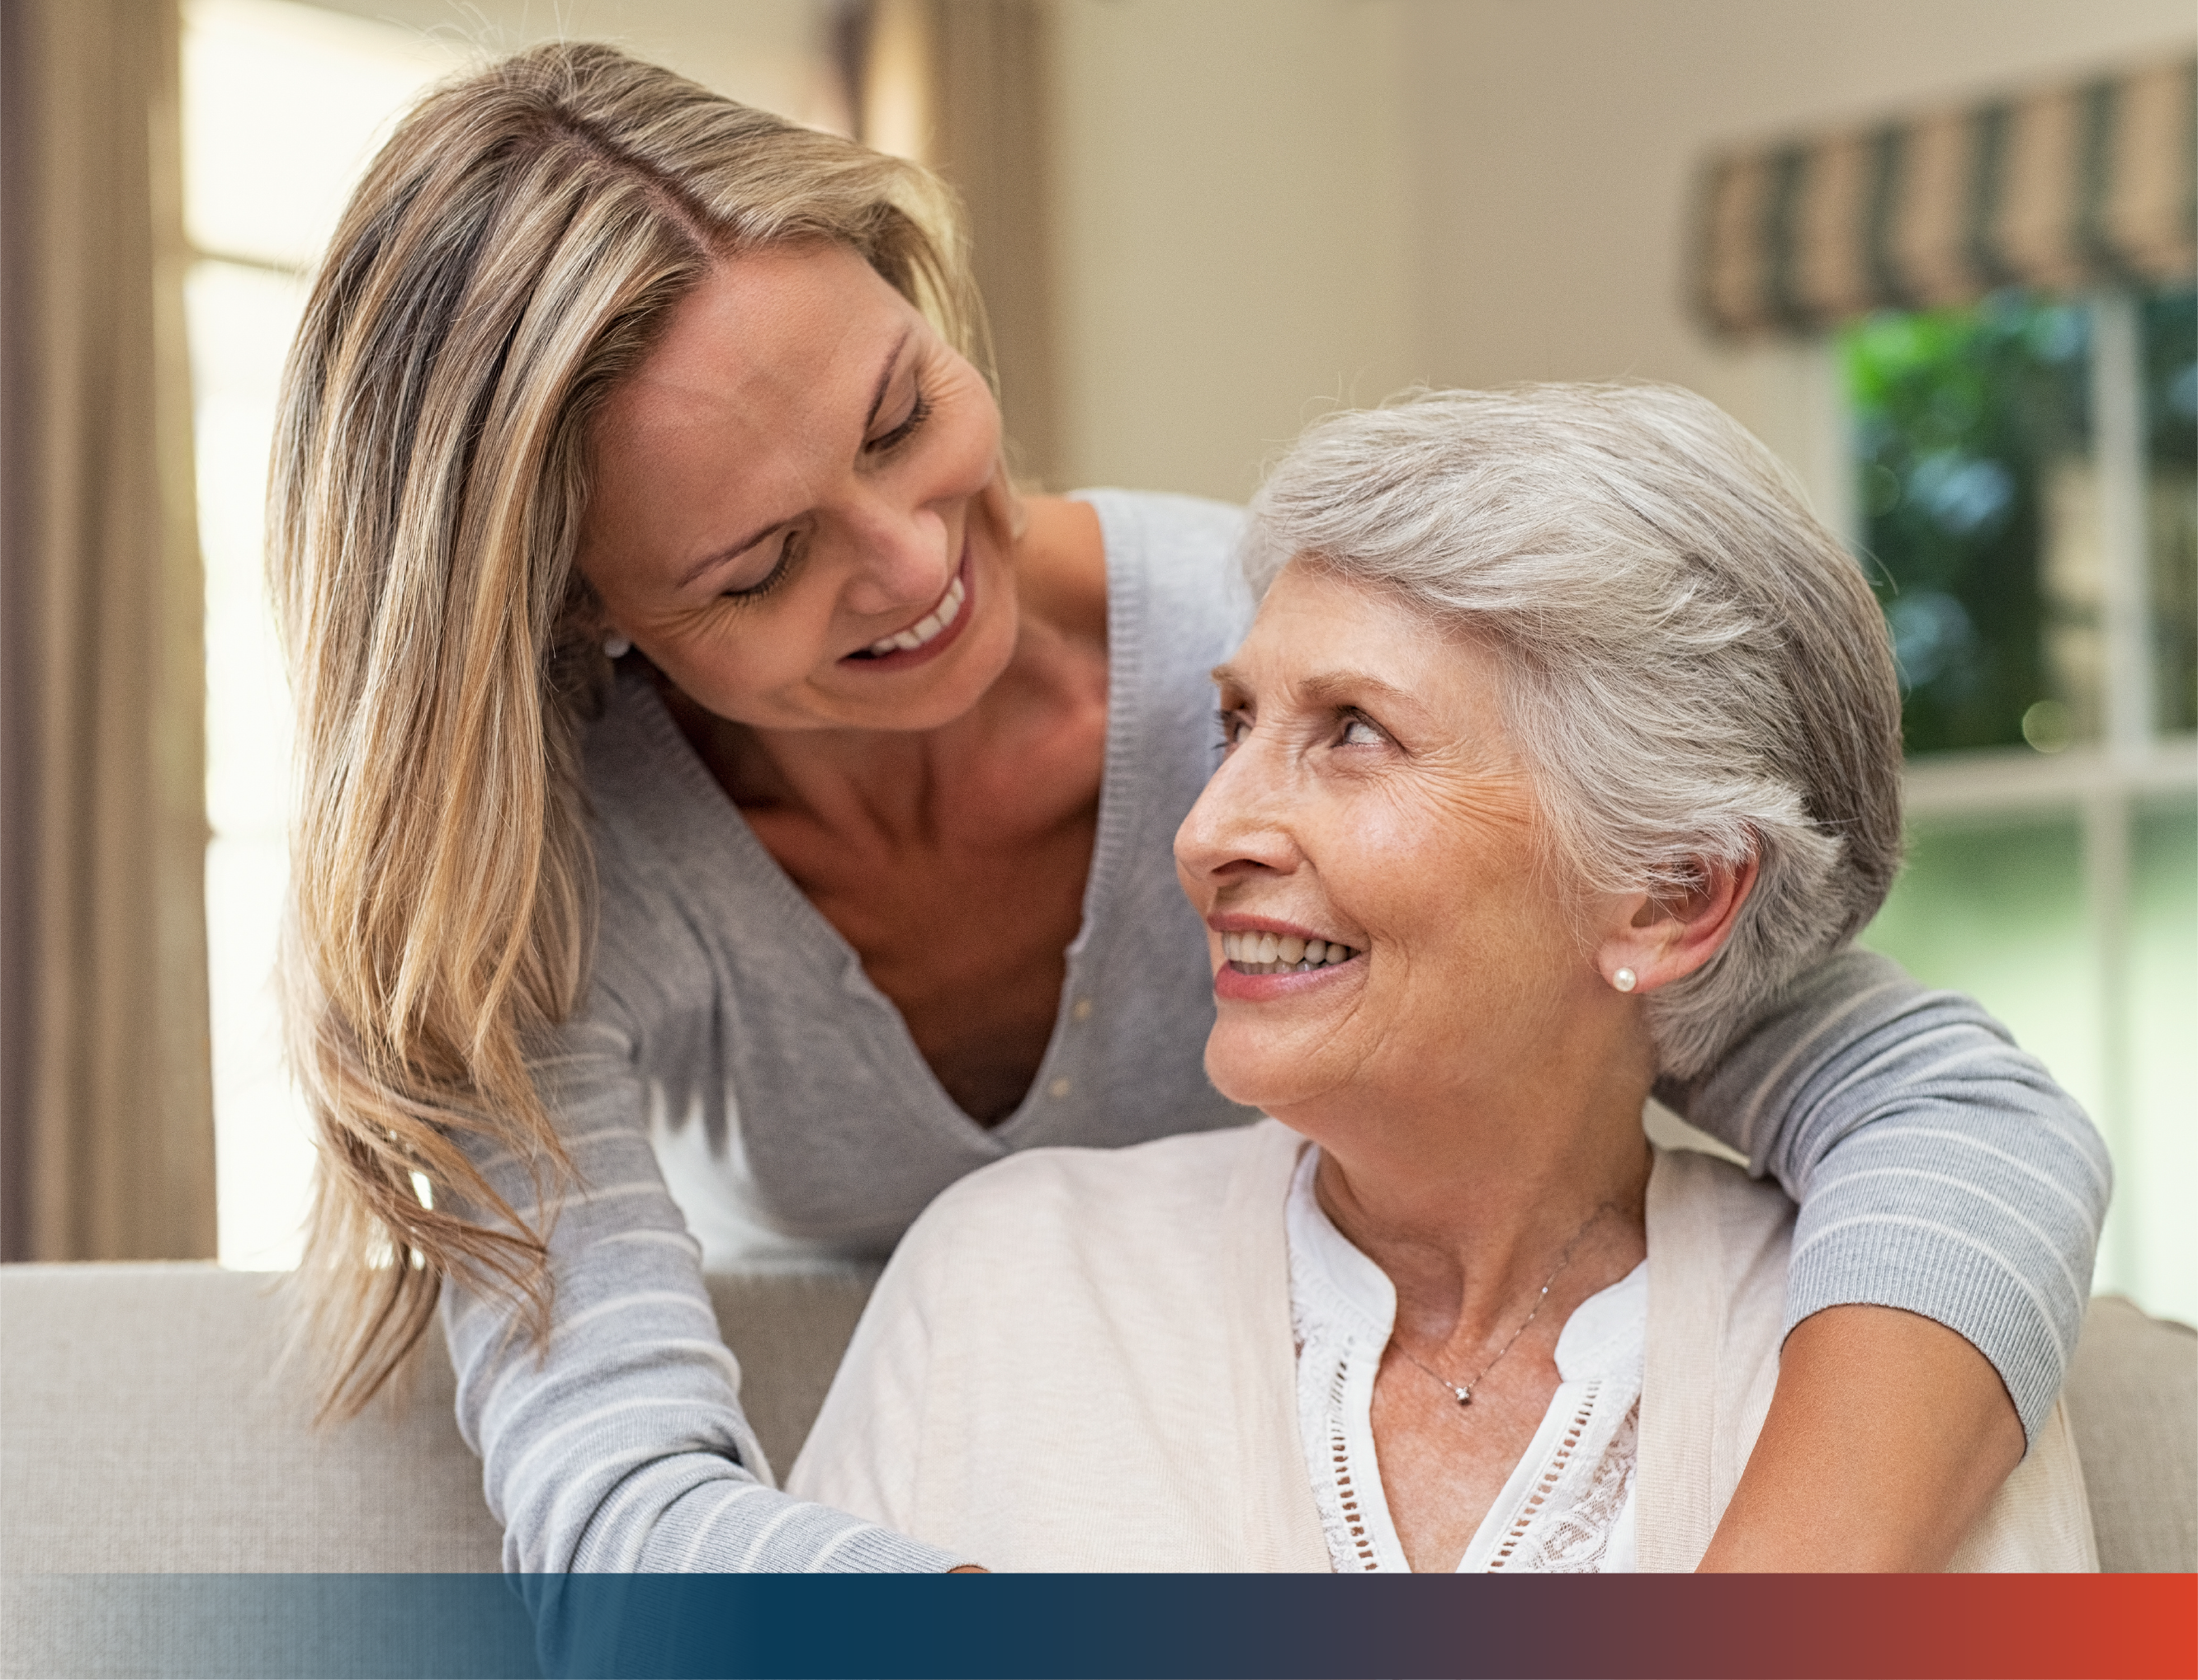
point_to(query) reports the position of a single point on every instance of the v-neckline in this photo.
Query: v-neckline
(1124, 651)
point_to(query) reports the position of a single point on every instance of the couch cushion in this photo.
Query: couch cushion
(149, 1423)
(2133, 1403)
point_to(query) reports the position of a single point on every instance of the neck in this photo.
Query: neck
(1466, 1197)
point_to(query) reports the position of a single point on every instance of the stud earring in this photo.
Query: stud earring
(616, 647)
(1624, 980)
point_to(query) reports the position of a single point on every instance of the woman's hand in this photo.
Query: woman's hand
(1887, 1436)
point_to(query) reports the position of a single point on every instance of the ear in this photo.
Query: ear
(1661, 940)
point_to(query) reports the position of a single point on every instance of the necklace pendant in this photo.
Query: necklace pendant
(1464, 1395)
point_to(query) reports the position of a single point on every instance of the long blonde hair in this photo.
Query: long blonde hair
(510, 254)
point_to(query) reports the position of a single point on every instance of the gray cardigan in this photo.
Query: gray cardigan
(731, 1037)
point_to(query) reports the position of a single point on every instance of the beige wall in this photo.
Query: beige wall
(1263, 203)
(766, 52)
(1231, 202)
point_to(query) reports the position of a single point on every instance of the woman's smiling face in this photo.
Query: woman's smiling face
(1371, 797)
(789, 503)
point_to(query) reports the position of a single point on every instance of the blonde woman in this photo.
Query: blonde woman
(730, 814)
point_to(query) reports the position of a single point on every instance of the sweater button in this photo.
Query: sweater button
(1083, 1010)
(1059, 1089)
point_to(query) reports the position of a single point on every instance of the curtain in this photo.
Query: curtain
(106, 1107)
(960, 85)
(2063, 189)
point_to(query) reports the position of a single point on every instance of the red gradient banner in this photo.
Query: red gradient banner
(1993, 1627)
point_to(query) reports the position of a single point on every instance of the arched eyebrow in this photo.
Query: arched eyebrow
(1330, 687)
(733, 550)
(884, 378)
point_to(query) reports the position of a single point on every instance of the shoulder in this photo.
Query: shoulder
(1692, 1193)
(1178, 601)
(1140, 1199)
(1167, 534)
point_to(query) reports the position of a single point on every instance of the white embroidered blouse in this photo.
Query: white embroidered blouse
(1567, 1508)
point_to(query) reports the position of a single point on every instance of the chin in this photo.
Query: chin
(933, 696)
(1262, 1076)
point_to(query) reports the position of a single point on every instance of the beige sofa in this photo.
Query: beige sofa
(147, 1424)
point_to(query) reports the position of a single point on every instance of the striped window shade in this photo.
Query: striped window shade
(2063, 190)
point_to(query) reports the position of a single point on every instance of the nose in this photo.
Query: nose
(905, 558)
(1239, 828)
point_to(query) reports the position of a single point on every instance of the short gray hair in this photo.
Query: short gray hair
(1696, 669)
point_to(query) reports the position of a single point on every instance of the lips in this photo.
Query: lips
(931, 635)
(1263, 959)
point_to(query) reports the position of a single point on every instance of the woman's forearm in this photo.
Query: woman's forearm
(621, 1446)
(1887, 1439)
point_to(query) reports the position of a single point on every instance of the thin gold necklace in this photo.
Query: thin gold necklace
(1463, 1393)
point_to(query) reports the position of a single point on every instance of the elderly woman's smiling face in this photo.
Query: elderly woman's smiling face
(1372, 797)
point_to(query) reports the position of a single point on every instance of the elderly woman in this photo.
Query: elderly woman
(730, 813)
(1564, 740)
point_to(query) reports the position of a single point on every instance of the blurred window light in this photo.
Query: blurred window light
(284, 103)
(2027, 488)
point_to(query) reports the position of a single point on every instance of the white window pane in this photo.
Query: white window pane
(1997, 911)
(283, 104)
(2159, 1160)
(263, 1150)
(241, 322)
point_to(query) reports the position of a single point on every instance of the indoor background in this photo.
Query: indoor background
(1198, 223)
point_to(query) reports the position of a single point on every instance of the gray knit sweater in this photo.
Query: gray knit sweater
(732, 1037)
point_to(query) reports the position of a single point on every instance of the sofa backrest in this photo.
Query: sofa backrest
(147, 1424)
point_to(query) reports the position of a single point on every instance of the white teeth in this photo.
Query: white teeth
(1280, 954)
(948, 610)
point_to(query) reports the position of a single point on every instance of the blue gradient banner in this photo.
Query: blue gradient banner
(310, 1626)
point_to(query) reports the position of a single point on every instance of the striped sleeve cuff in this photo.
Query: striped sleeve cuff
(1941, 1274)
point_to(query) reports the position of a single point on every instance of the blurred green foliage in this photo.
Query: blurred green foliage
(1958, 415)
(2170, 402)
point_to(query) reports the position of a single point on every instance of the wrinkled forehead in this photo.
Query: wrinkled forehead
(1323, 638)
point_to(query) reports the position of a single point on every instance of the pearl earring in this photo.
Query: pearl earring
(616, 647)
(1623, 979)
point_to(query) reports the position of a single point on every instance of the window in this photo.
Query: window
(2027, 494)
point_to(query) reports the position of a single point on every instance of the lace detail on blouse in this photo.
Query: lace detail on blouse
(1335, 1488)
(1574, 1536)
(1567, 1508)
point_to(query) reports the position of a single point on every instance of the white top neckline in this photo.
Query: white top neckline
(1567, 1505)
